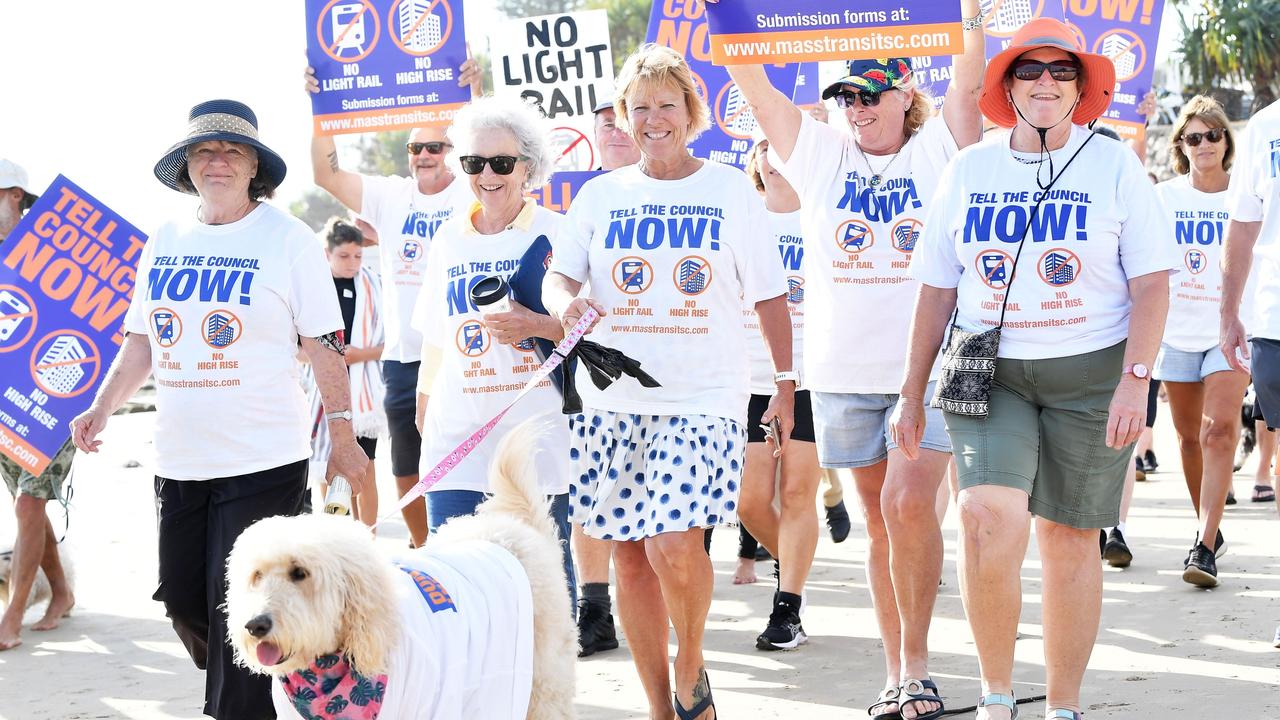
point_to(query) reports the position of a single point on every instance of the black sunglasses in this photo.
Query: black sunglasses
(1214, 136)
(435, 147)
(848, 99)
(501, 164)
(1060, 70)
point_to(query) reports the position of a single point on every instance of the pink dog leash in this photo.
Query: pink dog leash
(451, 461)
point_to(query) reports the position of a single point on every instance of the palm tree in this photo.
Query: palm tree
(1232, 40)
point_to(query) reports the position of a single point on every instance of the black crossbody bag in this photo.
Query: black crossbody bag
(969, 358)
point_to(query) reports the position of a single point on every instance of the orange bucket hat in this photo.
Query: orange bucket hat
(1099, 77)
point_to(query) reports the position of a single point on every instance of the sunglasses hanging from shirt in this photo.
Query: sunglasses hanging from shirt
(969, 358)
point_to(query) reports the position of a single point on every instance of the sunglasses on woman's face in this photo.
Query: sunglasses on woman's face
(501, 164)
(1193, 139)
(848, 99)
(435, 147)
(1060, 70)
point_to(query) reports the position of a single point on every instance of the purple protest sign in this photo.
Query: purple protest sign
(66, 276)
(558, 192)
(1126, 32)
(807, 91)
(385, 64)
(682, 26)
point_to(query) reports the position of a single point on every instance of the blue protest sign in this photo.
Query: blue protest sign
(558, 193)
(807, 91)
(682, 26)
(385, 64)
(757, 31)
(66, 276)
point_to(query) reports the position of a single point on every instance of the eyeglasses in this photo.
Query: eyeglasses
(501, 164)
(847, 99)
(435, 147)
(1193, 139)
(1060, 70)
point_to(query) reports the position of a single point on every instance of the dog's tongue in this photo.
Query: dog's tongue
(268, 653)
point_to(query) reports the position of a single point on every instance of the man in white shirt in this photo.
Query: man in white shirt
(405, 212)
(1254, 234)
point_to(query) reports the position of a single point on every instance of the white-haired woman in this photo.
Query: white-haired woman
(670, 248)
(1205, 392)
(476, 361)
(863, 197)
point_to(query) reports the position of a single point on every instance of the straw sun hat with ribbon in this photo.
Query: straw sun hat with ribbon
(219, 120)
(1097, 82)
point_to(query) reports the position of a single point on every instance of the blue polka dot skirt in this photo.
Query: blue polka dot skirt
(636, 476)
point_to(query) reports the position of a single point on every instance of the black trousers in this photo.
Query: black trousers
(199, 522)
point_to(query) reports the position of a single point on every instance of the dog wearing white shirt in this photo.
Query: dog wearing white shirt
(476, 625)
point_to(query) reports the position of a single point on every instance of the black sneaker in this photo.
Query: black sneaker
(1139, 470)
(838, 522)
(1149, 462)
(1231, 497)
(1202, 570)
(1116, 552)
(595, 629)
(784, 631)
(1102, 544)
(1219, 546)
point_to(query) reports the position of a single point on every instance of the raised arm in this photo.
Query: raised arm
(960, 108)
(346, 186)
(777, 115)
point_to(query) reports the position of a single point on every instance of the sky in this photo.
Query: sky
(98, 91)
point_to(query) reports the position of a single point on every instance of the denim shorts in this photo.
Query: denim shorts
(1045, 435)
(852, 429)
(1173, 365)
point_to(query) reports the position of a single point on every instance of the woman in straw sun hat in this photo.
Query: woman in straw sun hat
(1062, 227)
(232, 290)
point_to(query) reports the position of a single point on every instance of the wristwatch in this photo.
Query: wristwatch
(344, 415)
(791, 375)
(1137, 370)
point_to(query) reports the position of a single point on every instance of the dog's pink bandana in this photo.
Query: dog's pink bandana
(331, 690)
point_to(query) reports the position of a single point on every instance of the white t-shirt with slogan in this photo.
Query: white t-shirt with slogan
(1199, 222)
(859, 291)
(1100, 225)
(673, 262)
(223, 307)
(1254, 196)
(478, 377)
(785, 230)
(406, 221)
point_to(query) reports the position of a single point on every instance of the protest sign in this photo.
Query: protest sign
(1127, 32)
(385, 64)
(66, 276)
(808, 91)
(682, 26)
(758, 31)
(562, 64)
(558, 192)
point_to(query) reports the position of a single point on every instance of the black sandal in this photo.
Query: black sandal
(707, 703)
(913, 691)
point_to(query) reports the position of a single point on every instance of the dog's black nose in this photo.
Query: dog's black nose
(259, 626)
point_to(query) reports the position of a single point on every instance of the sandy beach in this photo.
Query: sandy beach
(1165, 649)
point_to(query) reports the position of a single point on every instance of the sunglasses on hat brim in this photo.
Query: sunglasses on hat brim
(501, 164)
(434, 147)
(1193, 139)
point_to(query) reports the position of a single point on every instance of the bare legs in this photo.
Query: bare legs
(1206, 416)
(791, 535)
(415, 513)
(35, 547)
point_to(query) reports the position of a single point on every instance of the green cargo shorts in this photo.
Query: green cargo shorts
(1045, 434)
(48, 484)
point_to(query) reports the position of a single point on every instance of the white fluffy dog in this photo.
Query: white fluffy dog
(40, 590)
(477, 625)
